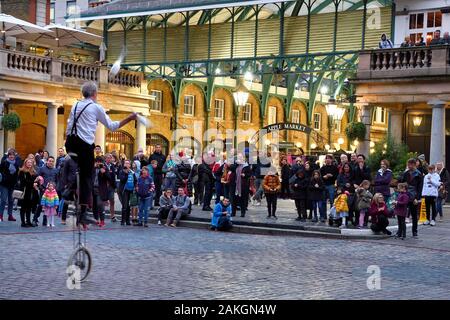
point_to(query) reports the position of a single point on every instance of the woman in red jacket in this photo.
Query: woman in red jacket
(379, 214)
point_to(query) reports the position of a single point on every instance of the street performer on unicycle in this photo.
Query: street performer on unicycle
(82, 124)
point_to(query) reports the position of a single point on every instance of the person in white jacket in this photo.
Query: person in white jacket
(431, 184)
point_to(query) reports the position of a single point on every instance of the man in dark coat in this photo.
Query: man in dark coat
(361, 171)
(239, 185)
(207, 180)
(158, 174)
(9, 170)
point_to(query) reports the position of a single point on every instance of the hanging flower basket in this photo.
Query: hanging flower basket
(11, 121)
(355, 131)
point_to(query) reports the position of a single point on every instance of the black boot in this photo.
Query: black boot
(84, 219)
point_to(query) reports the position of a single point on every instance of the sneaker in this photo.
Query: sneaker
(322, 220)
(441, 218)
(173, 225)
(102, 224)
(113, 219)
(159, 222)
(275, 217)
(427, 222)
(48, 226)
(342, 226)
(139, 224)
(53, 225)
(407, 220)
(11, 218)
(1, 219)
(258, 203)
(432, 223)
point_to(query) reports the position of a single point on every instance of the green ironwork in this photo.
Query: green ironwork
(364, 21)
(266, 78)
(244, 13)
(297, 7)
(291, 85)
(281, 41)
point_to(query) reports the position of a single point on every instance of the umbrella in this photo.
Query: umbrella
(61, 36)
(11, 26)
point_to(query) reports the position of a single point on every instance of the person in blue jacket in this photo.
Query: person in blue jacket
(221, 216)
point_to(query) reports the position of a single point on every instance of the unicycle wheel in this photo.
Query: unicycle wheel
(80, 261)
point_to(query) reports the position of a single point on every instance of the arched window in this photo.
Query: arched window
(153, 139)
(120, 141)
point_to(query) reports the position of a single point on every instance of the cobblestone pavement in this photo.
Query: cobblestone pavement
(167, 263)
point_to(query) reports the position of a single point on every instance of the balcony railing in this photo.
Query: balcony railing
(127, 78)
(80, 71)
(25, 62)
(404, 62)
(26, 65)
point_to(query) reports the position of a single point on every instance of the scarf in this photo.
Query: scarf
(239, 179)
(12, 167)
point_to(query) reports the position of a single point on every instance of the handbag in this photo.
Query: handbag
(18, 194)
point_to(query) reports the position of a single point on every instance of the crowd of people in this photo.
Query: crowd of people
(343, 191)
(386, 43)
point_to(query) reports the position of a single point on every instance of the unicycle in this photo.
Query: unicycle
(79, 264)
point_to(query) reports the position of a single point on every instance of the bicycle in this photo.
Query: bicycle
(81, 258)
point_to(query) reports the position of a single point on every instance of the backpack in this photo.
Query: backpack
(130, 182)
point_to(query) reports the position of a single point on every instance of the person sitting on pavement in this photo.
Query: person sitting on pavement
(166, 202)
(221, 216)
(379, 215)
(180, 208)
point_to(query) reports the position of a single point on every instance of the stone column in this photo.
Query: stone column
(437, 143)
(52, 129)
(396, 125)
(2, 132)
(141, 136)
(366, 119)
(61, 130)
(100, 136)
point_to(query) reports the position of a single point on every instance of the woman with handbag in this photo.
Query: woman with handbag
(27, 175)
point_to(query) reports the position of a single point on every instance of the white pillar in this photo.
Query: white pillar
(52, 129)
(396, 125)
(141, 136)
(61, 130)
(437, 143)
(100, 136)
(366, 119)
(2, 132)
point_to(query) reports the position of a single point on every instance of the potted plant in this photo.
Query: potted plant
(355, 131)
(11, 121)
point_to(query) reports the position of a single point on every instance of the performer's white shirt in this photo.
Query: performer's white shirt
(87, 123)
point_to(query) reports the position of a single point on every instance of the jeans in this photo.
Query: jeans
(285, 191)
(430, 202)
(317, 205)
(439, 203)
(144, 207)
(329, 194)
(412, 209)
(219, 191)
(126, 210)
(401, 226)
(158, 184)
(259, 189)
(300, 204)
(6, 196)
(98, 208)
(170, 183)
(271, 203)
(178, 215)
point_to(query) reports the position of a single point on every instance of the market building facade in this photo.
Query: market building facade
(295, 59)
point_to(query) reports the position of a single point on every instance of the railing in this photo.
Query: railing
(404, 62)
(127, 78)
(26, 65)
(80, 71)
(25, 62)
